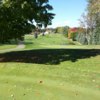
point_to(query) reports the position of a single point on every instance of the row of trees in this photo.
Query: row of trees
(89, 30)
(90, 22)
(19, 17)
(63, 30)
(71, 33)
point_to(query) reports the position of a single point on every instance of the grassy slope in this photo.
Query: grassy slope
(54, 41)
(67, 80)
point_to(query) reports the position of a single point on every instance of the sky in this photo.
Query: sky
(67, 12)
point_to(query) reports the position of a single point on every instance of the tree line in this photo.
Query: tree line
(90, 21)
(89, 30)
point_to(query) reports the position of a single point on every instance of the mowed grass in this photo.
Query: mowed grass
(54, 41)
(47, 41)
(6, 46)
(50, 73)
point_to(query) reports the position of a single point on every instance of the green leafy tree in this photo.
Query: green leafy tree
(63, 30)
(18, 17)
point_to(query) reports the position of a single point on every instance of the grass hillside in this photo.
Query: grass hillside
(47, 41)
(52, 41)
(50, 70)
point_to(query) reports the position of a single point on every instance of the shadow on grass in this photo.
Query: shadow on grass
(48, 56)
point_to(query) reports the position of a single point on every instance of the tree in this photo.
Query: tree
(94, 14)
(87, 25)
(91, 23)
(72, 33)
(63, 30)
(18, 17)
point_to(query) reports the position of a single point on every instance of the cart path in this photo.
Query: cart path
(21, 45)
